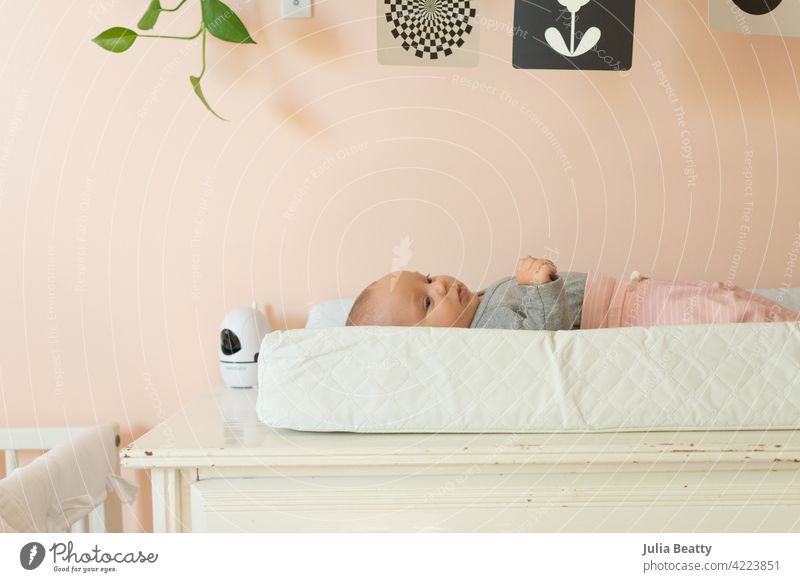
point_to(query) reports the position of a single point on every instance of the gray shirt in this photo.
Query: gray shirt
(554, 305)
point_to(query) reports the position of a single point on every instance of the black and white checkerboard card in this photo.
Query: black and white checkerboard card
(573, 34)
(428, 32)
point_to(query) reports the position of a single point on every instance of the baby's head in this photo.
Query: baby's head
(411, 299)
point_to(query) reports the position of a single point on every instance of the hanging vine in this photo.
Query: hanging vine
(217, 19)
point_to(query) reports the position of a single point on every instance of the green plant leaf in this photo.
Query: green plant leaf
(198, 90)
(115, 39)
(149, 18)
(223, 23)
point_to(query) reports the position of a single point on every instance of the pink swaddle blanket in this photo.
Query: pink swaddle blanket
(643, 301)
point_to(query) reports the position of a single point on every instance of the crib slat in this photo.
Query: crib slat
(34, 439)
(11, 461)
(97, 519)
(79, 526)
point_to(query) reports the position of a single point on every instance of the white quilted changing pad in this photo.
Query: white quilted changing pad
(402, 379)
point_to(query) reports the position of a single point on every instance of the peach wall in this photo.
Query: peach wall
(131, 220)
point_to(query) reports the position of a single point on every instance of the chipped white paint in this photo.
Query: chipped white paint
(216, 468)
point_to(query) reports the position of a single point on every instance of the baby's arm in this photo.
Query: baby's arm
(545, 305)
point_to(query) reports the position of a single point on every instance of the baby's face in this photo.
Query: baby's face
(413, 299)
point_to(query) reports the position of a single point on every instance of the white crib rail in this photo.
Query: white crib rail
(106, 517)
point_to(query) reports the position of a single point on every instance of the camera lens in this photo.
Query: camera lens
(229, 343)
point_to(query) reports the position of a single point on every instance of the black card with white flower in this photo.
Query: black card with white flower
(573, 34)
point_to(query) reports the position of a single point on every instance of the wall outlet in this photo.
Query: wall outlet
(295, 8)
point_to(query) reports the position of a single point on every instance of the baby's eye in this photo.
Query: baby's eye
(427, 301)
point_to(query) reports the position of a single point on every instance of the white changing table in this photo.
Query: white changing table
(214, 467)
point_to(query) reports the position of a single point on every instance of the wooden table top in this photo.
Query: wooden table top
(221, 429)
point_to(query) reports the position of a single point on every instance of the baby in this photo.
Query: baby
(537, 297)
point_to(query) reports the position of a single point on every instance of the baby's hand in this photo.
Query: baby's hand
(533, 271)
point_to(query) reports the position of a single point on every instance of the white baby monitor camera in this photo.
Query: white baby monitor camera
(240, 336)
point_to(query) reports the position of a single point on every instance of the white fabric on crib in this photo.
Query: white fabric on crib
(13, 516)
(65, 484)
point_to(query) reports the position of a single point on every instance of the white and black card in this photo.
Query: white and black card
(772, 17)
(573, 34)
(428, 32)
